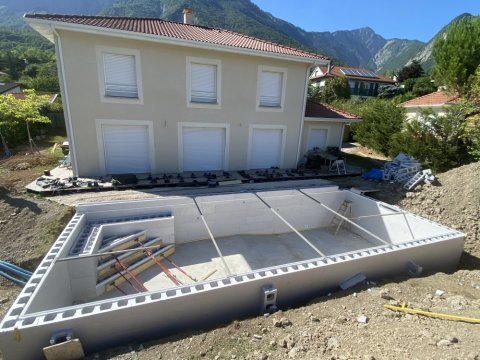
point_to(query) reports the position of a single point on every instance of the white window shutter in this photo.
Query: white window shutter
(271, 84)
(203, 83)
(120, 75)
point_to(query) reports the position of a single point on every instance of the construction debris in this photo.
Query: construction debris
(403, 169)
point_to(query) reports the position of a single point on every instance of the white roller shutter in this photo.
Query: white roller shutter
(126, 149)
(317, 138)
(203, 148)
(120, 75)
(271, 84)
(204, 83)
(266, 148)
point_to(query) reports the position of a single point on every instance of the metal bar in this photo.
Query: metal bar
(346, 219)
(408, 224)
(291, 226)
(107, 253)
(376, 215)
(212, 238)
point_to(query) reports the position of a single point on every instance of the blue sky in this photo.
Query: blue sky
(406, 19)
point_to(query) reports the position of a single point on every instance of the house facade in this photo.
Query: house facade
(150, 96)
(362, 82)
(436, 102)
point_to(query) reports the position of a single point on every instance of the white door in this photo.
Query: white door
(203, 148)
(126, 149)
(317, 138)
(266, 148)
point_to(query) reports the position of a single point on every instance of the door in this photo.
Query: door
(317, 138)
(266, 148)
(126, 149)
(203, 148)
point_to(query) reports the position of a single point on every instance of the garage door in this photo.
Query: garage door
(317, 138)
(203, 148)
(266, 148)
(126, 149)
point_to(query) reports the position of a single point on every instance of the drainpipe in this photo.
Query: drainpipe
(307, 80)
(65, 101)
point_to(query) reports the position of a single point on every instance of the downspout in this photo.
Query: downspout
(307, 80)
(65, 101)
(341, 136)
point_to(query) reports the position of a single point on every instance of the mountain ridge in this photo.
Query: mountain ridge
(361, 47)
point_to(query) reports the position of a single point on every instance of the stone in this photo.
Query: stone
(444, 342)
(363, 319)
(332, 343)
(285, 322)
(256, 337)
(293, 353)
(439, 292)
(457, 302)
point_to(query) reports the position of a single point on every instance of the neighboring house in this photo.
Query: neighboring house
(10, 88)
(362, 82)
(154, 96)
(436, 101)
(324, 126)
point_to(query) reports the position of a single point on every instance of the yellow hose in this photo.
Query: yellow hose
(432, 314)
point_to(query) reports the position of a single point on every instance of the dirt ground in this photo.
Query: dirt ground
(329, 327)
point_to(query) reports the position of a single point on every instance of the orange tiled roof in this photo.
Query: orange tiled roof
(23, 96)
(170, 29)
(317, 110)
(337, 71)
(437, 98)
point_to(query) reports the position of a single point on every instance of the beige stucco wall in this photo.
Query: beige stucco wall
(334, 134)
(163, 72)
(414, 112)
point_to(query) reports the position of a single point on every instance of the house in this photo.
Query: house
(10, 88)
(324, 126)
(151, 96)
(363, 83)
(436, 101)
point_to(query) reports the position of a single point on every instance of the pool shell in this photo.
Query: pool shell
(49, 302)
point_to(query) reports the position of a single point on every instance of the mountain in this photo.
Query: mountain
(359, 48)
(56, 6)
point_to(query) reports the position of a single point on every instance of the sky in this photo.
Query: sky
(404, 19)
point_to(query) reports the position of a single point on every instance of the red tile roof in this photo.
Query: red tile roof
(170, 29)
(337, 71)
(317, 110)
(438, 98)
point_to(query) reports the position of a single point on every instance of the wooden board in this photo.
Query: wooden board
(128, 243)
(67, 350)
(118, 279)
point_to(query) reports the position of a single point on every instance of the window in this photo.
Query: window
(120, 75)
(271, 87)
(203, 82)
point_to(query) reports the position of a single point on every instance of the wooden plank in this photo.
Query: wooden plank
(118, 279)
(67, 350)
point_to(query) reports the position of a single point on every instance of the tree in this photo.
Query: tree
(439, 141)
(412, 71)
(381, 121)
(457, 54)
(335, 88)
(18, 115)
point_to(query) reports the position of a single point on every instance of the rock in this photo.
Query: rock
(256, 337)
(22, 166)
(363, 319)
(285, 322)
(341, 320)
(332, 343)
(264, 330)
(457, 302)
(453, 339)
(277, 323)
(293, 353)
(439, 292)
(444, 342)
(283, 343)
(273, 343)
